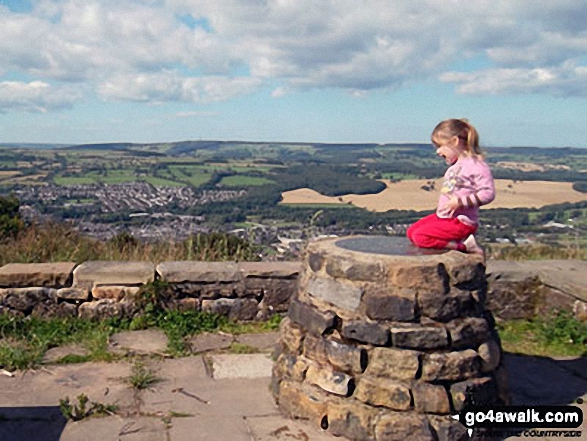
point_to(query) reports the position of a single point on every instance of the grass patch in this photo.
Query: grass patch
(557, 335)
(84, 408)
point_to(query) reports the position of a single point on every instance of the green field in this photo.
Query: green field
(244, 181)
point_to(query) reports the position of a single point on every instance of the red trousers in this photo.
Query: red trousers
(436, 232)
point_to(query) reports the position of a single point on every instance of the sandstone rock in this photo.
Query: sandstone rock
(219, 290)
(331, 381)
(351, 419)
(234, 309)
(54, 310)
(445, 307)
(447, 429)
(302, 401)
(366, 332)
(315, 261)
(419, 337)
(452, 366)
(25, 299)
(276, 293)
(580, 310)
(270, 270)
(52, 275)
(210, 341)
(427, 275)
(490, 354)
(290, 367)
(401, 364)
(201, 272)
(351, 268)
(383, 392)
(315, 349)
(430, 398)
(291, 335)
(92, 273)
(114, 292)
(476, 391)
(310, 318)
(403, 426)
(73, 294)
(389, 304)
(468, 332)
(101, 309)
(465, 274)
(346, 358)
(342, 295)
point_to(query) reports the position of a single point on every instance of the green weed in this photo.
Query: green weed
(241, 348)
(142, 376)
(84, 408)
(556, 335)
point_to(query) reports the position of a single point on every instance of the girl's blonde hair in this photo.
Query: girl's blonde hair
(462, 129)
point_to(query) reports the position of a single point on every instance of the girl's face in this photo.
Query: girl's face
(448, 148)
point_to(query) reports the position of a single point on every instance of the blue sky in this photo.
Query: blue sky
(78, 71)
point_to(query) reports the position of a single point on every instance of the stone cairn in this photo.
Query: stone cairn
(387, 347)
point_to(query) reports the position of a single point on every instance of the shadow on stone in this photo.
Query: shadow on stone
(43, 423)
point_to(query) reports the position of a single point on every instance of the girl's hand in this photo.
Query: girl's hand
(452, 205)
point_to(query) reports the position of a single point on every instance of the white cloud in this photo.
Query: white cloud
(169, 86)
(142, 50)
(566, 80)
(36, 96)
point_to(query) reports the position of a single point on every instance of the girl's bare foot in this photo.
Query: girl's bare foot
(473, 247)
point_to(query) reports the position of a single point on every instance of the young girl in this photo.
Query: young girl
(468, 184)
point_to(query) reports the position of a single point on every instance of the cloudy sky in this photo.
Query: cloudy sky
(74, 71)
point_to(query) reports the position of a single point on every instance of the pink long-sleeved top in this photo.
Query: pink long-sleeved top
(470, 180)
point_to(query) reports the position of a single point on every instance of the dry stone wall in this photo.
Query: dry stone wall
(100, 289)
(382, 347)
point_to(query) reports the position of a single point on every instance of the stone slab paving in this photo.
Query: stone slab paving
(148, 341)
(231, 401)
(241, 366)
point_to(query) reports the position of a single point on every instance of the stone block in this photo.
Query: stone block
(290, 367)
(378, 391)
(212, 291)
(234, 309)
(269, 270)
(303, 401)
(331, 381)
(95, 272)
(349, 267)
(389, 304)
(73, 294)
(351, 419)
(54, 310)
(446, 307)
(430, 398)
(25, 299)
(101, 309)
(402, 364)
(366, 332)
(315, 261)
(346, 358)
(428, 275)
(490, 353)
(468, 332)
(342, 295)
(474, 392)
(276, 293)
(200, 272)
(291, 336)
(51, 275)
(311, 318)
(419, 337)
(465, 274)
(315, 349)
(447, 429)
(114, 292)
(453, 366)
(403, 426)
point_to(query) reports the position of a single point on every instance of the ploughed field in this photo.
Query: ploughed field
(410, 195)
